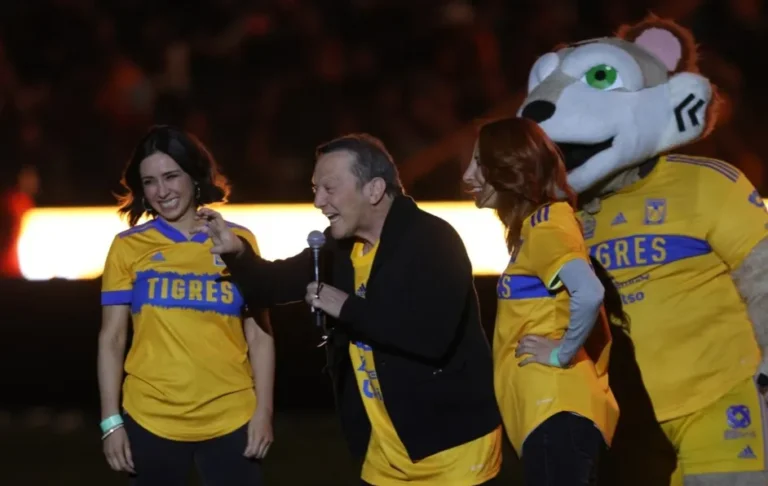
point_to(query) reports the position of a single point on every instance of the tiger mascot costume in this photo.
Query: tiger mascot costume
(684, 239)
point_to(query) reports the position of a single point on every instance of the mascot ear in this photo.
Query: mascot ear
(663, 44)
(669, 42)
(693, 99)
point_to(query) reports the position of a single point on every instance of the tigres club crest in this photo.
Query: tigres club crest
(588, 224)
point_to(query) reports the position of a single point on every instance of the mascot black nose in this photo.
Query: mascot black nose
(539, 110)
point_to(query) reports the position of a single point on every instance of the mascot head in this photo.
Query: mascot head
(612, 103)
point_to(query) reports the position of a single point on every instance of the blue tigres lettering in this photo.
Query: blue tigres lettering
(517, 287)
(200, 292)
(641, 250)
(363, 347)
(369, 389)
(632, 297)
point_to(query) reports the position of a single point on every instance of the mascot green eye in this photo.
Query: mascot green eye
(602, 77)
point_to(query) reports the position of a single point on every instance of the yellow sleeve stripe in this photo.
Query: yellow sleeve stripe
(555, 283)
(553, 280)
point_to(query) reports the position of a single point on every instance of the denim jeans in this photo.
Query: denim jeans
(563, 451)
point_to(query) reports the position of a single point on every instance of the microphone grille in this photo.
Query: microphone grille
(316, 239)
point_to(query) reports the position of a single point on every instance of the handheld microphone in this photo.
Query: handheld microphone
(316, 240)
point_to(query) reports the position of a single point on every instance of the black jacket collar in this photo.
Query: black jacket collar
(395, 225)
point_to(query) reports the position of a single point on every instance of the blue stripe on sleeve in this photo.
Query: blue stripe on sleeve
(518, 287)
(116, 297)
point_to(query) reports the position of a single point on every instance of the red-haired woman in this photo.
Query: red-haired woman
(552, 340)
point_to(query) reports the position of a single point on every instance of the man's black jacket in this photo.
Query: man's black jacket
(420, 315)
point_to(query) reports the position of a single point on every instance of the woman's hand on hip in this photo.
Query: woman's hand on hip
(540, 349)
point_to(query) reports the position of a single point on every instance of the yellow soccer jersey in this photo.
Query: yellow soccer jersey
(188, 376)
(670, 242)
(387, 461)
(532, 300)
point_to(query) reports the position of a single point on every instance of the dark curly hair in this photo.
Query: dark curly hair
(187, 151)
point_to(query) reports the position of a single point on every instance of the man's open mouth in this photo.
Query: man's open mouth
(577, 153)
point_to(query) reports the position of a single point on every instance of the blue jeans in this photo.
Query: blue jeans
(563, 451)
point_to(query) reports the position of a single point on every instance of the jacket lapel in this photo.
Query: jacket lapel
(395, 225)
(341, 274)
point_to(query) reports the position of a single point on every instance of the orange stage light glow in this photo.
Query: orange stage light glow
(72, 243)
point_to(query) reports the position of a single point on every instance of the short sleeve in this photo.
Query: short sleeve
(117, 279)
(554, 239)
(738, 219)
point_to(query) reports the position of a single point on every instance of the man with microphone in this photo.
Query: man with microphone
(410, 364)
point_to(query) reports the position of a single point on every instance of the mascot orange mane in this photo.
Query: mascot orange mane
(685, 239)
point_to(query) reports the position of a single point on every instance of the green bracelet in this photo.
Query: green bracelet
(554, 360)
(110, 422)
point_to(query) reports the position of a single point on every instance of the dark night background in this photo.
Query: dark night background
(262, 83)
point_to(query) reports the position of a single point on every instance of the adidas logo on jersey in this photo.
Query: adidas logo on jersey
(619, 219)
(747, 453)
(158, 257)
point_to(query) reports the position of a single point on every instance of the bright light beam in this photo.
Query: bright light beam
(72, 243)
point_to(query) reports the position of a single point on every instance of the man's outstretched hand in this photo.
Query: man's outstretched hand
(224, 239)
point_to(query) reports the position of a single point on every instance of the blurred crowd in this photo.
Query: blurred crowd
(263, 82)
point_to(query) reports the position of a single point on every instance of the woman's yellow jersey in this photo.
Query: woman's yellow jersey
(187, 374)
(387, 461)
(532, 300)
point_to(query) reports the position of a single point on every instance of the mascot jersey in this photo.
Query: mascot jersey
(532, 300)
(671, 253)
